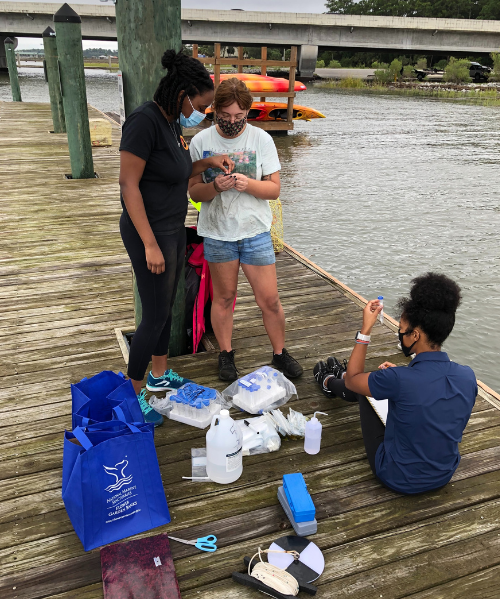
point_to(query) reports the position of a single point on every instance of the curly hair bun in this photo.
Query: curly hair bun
(169, 59)
(435, 292)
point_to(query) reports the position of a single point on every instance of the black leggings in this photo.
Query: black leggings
(157, 293)
(371, 426)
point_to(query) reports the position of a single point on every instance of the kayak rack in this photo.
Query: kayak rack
(217, 61)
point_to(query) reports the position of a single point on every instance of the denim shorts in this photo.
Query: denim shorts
(257, 251)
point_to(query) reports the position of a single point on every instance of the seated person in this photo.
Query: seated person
(430, 400)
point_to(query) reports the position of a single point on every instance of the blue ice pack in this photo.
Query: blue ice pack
(298, 497)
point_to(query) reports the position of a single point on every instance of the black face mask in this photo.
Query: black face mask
(406, 350)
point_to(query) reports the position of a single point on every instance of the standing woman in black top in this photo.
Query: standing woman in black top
(155, 167)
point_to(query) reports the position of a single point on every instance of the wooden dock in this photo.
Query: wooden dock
(65, 285)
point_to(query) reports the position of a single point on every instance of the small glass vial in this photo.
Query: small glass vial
(381, 315)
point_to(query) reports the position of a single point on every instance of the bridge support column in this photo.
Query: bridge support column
(3, 56)
(308, 55)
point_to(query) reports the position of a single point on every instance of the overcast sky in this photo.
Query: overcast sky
(315, 6)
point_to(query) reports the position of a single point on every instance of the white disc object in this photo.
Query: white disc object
(310, 564)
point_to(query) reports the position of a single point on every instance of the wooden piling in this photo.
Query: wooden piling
(144, 31)
(74, 95)
(12, 66)
(51, 64)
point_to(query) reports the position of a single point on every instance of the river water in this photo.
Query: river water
(382, 190)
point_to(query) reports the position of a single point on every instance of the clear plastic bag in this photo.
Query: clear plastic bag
(293, 425)
(259, 436)
(262, 390)
(192, 404)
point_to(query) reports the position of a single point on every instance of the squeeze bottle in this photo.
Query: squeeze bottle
(381, 315)
(312, 439)
(224, 449)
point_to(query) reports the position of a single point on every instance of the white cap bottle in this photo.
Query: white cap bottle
(312, 439)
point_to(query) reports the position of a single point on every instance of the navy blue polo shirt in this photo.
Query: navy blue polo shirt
(430, 403)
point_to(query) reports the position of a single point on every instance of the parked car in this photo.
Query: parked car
(478, 72)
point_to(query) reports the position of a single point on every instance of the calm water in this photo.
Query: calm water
(384, 189)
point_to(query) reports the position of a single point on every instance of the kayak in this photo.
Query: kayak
(263, 83)
(277, 111)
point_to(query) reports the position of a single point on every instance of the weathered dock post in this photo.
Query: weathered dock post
(69, 48)
(12, 66)
(144, 31)
(51, 64)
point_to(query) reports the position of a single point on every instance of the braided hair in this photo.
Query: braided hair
(184, 74)
(434, 299)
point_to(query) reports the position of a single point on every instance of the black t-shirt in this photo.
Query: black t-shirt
(164, 183)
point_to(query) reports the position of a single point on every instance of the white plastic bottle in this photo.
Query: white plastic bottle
(224, 449)
(381, 303)
(312, 439)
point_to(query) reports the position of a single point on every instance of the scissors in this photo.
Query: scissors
(203, 543)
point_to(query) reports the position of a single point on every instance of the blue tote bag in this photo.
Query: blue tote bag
(94, 399)
(111, 485)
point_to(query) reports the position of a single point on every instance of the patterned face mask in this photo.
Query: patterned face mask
(228, 128)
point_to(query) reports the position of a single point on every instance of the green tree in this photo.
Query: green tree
(395, 68)
(457, 71)
(451, 9)
(495, 75)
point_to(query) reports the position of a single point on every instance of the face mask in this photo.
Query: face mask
(231, 129)
(194, 119)
(406, 350)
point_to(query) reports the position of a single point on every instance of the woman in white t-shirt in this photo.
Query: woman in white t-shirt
(235, 220)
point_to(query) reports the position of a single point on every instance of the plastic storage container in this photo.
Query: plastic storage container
(259, 390)
(298, 498)
(191, 404)
(312, 439)
(224, 449)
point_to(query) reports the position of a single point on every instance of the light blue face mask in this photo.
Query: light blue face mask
(194, 119)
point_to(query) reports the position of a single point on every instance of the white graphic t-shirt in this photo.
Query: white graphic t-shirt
(233, 215)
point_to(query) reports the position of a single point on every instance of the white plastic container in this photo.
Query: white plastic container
(381, 315)
(312, 439)
(224, 449)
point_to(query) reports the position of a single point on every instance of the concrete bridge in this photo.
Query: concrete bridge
(308, 31)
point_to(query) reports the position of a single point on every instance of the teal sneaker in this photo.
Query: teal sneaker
(168, 381)
(149, 414)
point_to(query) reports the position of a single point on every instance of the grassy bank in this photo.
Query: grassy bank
(470, 95)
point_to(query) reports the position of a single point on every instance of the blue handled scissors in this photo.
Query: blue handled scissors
(203, 543)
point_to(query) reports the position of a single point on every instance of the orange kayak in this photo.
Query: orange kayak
(276, 111)
(262, 83)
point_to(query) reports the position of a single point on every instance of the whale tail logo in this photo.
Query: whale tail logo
(118, 471)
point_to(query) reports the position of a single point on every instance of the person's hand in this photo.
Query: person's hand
(223, 162)
(224, 182)
(387, 365)
(241, 182)
(370, 314)
(155, 259)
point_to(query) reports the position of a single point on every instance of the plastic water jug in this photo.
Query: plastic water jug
(312, 439)
(224, 449)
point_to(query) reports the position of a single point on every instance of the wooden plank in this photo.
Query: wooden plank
(217, 65)
(240, 59)
(291, 83)
(480, 585)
